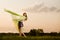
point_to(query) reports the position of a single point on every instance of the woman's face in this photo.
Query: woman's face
(24, 14)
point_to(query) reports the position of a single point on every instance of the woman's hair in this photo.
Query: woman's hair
(25, 14)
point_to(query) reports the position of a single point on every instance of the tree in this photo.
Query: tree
(36, 32)
(40, 31)
(33, 32)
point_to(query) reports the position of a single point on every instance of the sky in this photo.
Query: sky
(46, 19)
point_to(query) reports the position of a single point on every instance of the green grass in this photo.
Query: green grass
(30, 38)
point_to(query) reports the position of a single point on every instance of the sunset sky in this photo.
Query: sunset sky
(42, 14)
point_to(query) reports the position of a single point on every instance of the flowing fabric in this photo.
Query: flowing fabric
(16, 17)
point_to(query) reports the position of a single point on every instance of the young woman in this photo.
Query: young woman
(18, 20)
(20, 25)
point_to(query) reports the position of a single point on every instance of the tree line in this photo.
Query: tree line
(33, 32)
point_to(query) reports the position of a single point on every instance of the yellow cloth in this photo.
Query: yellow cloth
(15, 17)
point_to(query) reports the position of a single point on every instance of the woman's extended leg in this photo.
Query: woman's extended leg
(20, 34)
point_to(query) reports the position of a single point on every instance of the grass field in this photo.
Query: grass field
(30, 38)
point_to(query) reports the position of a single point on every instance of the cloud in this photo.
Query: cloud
(42, 8)
(58, 10)
(52, 8)
(35, 8)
